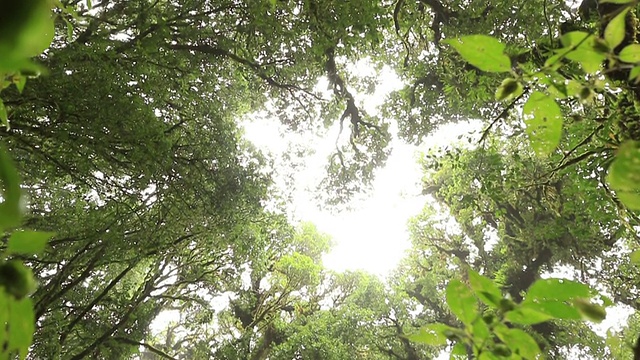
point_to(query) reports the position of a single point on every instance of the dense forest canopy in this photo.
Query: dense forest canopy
(125, 156)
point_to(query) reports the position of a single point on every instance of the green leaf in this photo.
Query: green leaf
(575, 39)
(69, 30)
(486, 289)
(480, 331)
(519, 342)
(556, 290)
(582, 48)
(630, 53)
(635, 257)
(629, 199)
(4, 117)
(624, 174)
(433, 334)
(543, 119)
(592, 312)
(37, 33)
(527, 316)
(589, 59)
(4, 314)
(21, 325)
(28, 242)
(616, 1)
(482, 51)
(20, 83)
(509, 89)
(459, 349)
(461, 301)
(555, 309)
(10, 211)
(634, 74)
(614, 32)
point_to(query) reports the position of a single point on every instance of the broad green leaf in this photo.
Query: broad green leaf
(21, 325)
(543, 119)
(630, 53)
(555, 309)
(590, 60)
(433, 334)
(519, 342)
(556, 290)
(10, 211)
(28, 242)
(37, 33)
(527, 316)
(461, 301)
(576, 39)
(634, 74)
(482, 51)
(635, 257)
(624, 174)
(592, 312)
(486, 289)
(480, 330)
(614, 32)
(582, 48)
(629, 199)
(4, 117)
(616, 1)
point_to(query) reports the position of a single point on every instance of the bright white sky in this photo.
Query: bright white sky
(372, 235)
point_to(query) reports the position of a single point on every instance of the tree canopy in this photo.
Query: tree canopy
(138, 221)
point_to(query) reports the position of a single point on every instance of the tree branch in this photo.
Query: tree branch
(149, 347)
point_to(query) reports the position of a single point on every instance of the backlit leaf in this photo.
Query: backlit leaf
(543, 119)
(461, 301)
(630, 53)
(486, 289)
(614, 32)
(21, 325)
(432, 334)
(556, 290)
(10, 211)
(4, 117)
(28, 242)
(482, 51)
(519, 342)
(527, 316)
(624, 174)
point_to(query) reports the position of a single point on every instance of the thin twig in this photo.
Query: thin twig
(503, 114)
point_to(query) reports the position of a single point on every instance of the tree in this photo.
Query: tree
(130, 151)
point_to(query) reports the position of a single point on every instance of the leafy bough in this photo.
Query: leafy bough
(496, 330)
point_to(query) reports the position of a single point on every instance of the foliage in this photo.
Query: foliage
(129, 150)
(495, 332)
